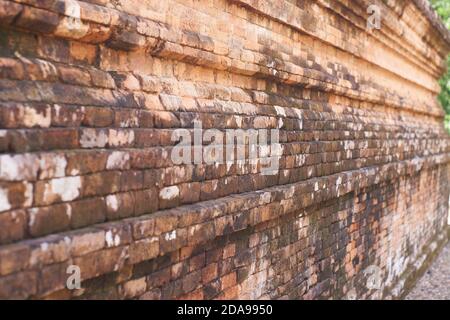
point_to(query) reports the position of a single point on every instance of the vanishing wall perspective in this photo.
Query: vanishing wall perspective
(92, 91)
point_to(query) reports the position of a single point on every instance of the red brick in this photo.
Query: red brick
(14, 224)
(73, 75)
(46, 220)
(88, 212)
(144, 250)
(9, 11)
(228, 280)
(37, 20)
(209, 273)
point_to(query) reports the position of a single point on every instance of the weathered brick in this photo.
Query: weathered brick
(92, 100)
(14, 224)
(209, 273)
(126, 40)
(134, 288)
(9, 11)
(73, 75)
(146, 201)
(154, 294)
(37, 20)
(98, 117)
(18, 286)
(46, 220)
(100, 262)
(228, 280)
(15, 195)
(101, 183)
(102, 79)
(11, 69)
(143, 228)
(173, 240)
(13, 258)
(72, 28)
(87, 241)
(52, 278)
(191, 281)
(144, 250)
(87, 212)
(48, 250)
(84, 53)
(57, 190)
(86, 162)
(120, 205)
(169, 197)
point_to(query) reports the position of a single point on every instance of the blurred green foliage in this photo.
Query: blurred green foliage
(447, 123)
(443, 9)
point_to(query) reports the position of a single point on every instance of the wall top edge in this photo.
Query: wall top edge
(425, 7)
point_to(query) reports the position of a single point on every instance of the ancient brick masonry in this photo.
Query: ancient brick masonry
(91, 92)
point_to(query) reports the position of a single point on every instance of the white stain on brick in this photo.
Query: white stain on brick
(72, 28)
(52, 166)
(32, 214)
(67, 240)
(266, 197)
(74, 172)
(69, 211)
(241, 168)
(67, 188)
(116, 240)
(290, 192)
(118, 160)
(111, 239)
(92, 138)
(112, 203)
(57, 109)
(72, 9)
(28, 195)
(171, 235)
(47, 68)
(4, 201)
(280, 111)
(33, 117)
(316, 186)
(300, 159)
(169, 193)
(120, 137)
(280, 123)
(298, 113)
(349, 145)
(18, 167)
(44, 246)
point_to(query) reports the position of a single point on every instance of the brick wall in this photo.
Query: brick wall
(92, 91)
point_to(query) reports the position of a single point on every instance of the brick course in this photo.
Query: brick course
(91, 92)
